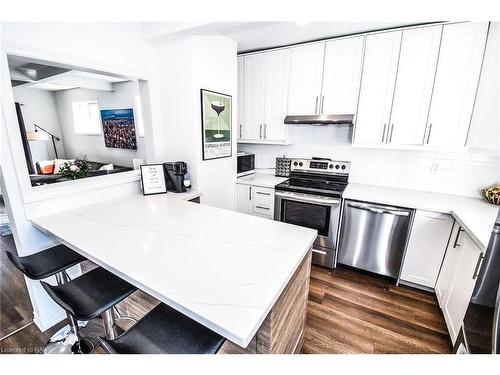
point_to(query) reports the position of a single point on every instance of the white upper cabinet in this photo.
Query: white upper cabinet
(276, 91)
(305, 79)
(485, 127)
(415, 77)
(457, 75)
(377, 87)
(241, 95)
(254, 86)
(341, 75)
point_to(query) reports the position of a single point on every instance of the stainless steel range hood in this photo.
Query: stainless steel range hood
(345, 120)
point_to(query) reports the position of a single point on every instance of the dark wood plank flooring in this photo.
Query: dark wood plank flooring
(348, 312)
(353, 312)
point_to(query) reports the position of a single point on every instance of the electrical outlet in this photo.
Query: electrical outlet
(434, 167)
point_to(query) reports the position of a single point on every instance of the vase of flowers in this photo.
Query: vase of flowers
(78, 169)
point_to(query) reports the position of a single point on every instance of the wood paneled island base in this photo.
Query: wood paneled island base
(282, 332)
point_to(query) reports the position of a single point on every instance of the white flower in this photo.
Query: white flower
(74, 168)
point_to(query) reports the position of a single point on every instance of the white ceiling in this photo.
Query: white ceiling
(261, 35)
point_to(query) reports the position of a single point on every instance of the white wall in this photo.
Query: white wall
(79, 145)
(112, 47)
(186, 66)
(39, 107)
(461, 173)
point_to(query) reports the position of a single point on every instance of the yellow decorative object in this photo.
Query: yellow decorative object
(492, 194)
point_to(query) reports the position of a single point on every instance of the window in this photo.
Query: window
(86, 117)
(138, 116)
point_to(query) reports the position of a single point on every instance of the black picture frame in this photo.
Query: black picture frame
(160, 166)
(202, 113)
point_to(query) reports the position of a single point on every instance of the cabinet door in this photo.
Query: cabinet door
(241, 95)
(412, 95)
(341, 75)
(305, 79)
(276, 94)
(377, 87)
(243, 198)
(455, 86)
(485, 129)
(449, 267)
(263, 202)
(426, 248)
(463, 285)
(254, 96)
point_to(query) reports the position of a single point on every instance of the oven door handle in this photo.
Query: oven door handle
(301, 198)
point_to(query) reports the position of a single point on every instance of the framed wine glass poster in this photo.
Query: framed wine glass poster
(216, 124)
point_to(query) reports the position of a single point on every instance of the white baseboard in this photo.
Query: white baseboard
(45, 324)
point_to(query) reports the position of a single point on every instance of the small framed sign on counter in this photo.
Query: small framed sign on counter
(153, 179)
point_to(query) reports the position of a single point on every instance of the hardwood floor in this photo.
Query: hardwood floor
(15, 305)
(353, 312)
(348, 312)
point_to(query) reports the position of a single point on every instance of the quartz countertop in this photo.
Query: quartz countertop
(261, 179)
(475, 214)
(222, 268)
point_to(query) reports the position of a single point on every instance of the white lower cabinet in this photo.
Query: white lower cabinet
(255, 200)
(426, 247)
(457, 279)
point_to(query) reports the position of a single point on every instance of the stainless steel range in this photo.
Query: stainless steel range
(311, 198)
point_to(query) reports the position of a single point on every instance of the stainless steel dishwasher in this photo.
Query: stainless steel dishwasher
(373, 237)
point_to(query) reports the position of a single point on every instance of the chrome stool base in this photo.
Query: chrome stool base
(70, 345)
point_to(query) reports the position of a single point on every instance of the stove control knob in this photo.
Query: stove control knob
(295, 163)
(301, 164)
(343, 167)
(337, 166)
(331, 166)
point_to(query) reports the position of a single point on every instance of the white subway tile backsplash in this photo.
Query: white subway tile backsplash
(455, 172)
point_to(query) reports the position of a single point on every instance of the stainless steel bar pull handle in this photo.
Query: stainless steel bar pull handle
(392, 130)
(378, 210)
(478, 266)
(265, 131)
(241, 130)
(456, 244)
(429, 134)
(262, 207)
(260, 131)
(250, 193)
(383, 133)
(322, 103)
(319, 251)
(262, 193)
(316, 106)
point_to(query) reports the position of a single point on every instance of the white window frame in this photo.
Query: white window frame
(88, 128)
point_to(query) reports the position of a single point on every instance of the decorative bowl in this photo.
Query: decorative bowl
(492, 194)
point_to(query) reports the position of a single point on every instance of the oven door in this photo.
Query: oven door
(315, 212)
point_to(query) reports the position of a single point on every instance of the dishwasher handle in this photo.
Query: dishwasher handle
(378, 210)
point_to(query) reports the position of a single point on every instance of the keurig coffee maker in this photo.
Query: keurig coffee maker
(175, 176)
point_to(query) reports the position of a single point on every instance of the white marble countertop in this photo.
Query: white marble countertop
(475, 214)
(222, 268)
(261, 179)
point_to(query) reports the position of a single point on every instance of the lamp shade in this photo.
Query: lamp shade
(37, 136)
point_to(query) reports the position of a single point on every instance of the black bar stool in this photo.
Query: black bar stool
(165, 331)
(52, 261)
(93, 294)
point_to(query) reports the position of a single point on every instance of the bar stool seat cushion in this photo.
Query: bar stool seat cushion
(89, 295)
(47, 262)
(165, 331)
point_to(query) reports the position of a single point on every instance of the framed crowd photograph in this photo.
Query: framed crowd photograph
(119, 128)
(153, 179)
(216, 124)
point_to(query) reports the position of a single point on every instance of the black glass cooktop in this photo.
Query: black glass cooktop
(305, 185)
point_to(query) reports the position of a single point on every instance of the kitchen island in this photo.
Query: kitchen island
(244, 277)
